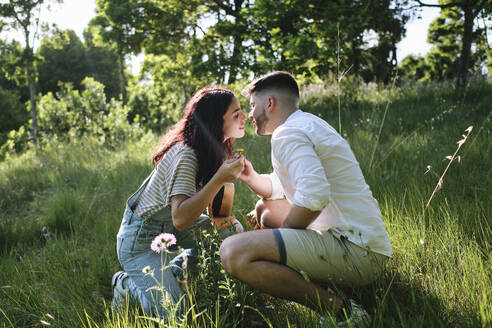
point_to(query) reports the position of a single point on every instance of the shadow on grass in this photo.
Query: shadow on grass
(394, 301)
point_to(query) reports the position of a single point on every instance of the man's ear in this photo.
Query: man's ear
(271, 102)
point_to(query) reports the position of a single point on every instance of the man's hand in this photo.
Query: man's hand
(299, 217)
(261, 185)
(247, 172)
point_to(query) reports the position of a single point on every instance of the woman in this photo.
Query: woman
(192, 162)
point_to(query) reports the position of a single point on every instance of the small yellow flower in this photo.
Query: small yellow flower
(237, 152)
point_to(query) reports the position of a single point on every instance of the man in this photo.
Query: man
(326, 228)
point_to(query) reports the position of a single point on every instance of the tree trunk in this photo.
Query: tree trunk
(32, 93)
(32, 90)
(393, 62)
(121, 60)
(236, 58)
(238, 44)
(466, 48)
(356, 55)
(394, 58)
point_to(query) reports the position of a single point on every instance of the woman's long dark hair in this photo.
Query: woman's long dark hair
(201, 129)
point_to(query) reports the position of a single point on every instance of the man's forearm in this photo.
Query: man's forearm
(299, 217)
(260, 184)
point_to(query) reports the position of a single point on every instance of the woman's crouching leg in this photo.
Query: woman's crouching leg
(152, 285)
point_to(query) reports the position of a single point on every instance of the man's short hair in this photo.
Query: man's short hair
(276, 80)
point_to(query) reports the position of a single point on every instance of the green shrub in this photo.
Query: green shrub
(73, 114)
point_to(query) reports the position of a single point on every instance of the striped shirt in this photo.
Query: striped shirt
(174, 175)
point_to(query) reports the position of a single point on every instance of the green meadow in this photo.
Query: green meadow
(61, 207)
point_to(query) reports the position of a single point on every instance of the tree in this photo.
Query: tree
(318, 37)
(12, 94)
(413, 68)
(470, 9)
(102, 61)
(487, 22)
(12, 115)
(444, 34)
(442, 62)
(389, 25)
(63, 59)
(231, 22)
(10, 74)
(119, 21)
(21, 14)
(223, 38)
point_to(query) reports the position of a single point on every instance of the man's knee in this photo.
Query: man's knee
(260, 209)
(226, 251)
(263, 214)
(233, 254)
(271, 213)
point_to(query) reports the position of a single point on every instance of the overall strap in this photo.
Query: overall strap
(132, 201)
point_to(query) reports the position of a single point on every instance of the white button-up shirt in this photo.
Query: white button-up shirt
(314, 167)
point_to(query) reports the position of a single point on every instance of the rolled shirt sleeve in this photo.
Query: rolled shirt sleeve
(277, 191)
(296, 157)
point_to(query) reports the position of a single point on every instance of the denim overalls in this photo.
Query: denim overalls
(134, 253)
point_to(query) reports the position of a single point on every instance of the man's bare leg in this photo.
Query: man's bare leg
(253, 257)
(272, 213)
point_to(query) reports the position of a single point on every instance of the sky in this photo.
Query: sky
(76, 14)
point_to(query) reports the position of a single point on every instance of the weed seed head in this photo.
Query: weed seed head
(148, 271)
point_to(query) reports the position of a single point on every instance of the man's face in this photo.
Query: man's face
(258, 114)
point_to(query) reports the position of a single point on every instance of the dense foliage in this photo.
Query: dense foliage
(189, 44)
(74, 114)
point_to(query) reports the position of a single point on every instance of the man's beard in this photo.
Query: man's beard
(261, 122)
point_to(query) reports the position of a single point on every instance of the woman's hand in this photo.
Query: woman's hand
(231, 169)
(185, 210)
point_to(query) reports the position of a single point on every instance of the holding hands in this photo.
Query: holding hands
(238, 167)
(247, 172)
(231, 169)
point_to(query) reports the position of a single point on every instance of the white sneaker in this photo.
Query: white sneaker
(358, 318)
(119, 290)
(327, 321)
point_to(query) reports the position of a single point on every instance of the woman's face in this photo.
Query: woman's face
(234, 120)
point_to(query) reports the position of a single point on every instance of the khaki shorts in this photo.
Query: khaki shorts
(327, 259)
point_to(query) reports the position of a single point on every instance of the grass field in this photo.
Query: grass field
(61, 208)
